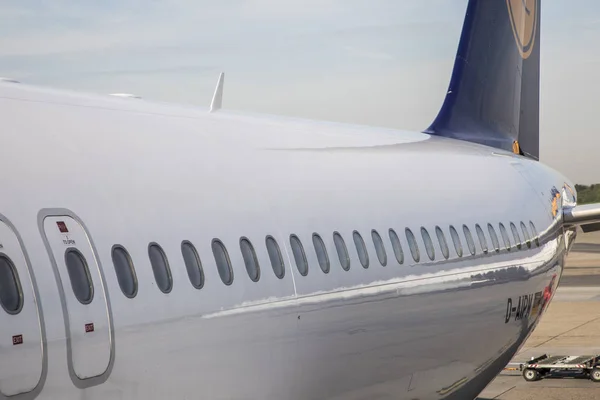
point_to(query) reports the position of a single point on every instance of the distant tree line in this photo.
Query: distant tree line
(588, 194)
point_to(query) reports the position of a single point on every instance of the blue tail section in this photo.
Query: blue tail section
(493, 97)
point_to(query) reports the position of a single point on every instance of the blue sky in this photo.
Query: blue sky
(375, 62)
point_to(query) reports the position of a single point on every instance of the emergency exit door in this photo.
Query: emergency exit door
(89, 344)
(21, 337)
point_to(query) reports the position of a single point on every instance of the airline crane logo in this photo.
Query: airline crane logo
(556, 201)
(523, 16)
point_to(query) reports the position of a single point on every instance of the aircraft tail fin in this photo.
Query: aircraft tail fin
(493, 96)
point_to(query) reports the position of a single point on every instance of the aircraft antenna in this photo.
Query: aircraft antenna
(217, 100)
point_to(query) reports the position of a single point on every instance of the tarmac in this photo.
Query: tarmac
(571, 326)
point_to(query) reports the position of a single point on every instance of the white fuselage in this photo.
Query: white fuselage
(128, 172)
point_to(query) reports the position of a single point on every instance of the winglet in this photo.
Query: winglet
(217, 100)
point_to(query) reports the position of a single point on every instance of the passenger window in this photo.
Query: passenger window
(79, 275)
(396, 246)
(494, 237)
(275, 257)
(428, 244)
(342, 251)
(412, 245)
(470, 241)
(250, 260)
(361, 249)
(125, 271)
(456, 240)
(526, 234)
(193, 265)
(379, 248)
(299, 255)
(516, 236)
(223, 261)
(482, 239)
(534, 232)
(11, 295)
(442, 240)
(160, 267)
(321, 251)
(505, 237)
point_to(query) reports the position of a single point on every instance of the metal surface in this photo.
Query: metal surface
(563, 362)
(217, 100)
(88, 325)
(432, 326)
(399, 331)
(583, 214)
(22, 342)
(493, 95)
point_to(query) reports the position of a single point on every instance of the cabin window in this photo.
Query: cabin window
(193, 265)
(428, 244)
(526, 234)
(494, 237)
(412, 245)
(11, 295)
(516, 236)
(275, 257)
(443, 243)
(299, 255)
(342, 251)
(160, 267)
(79, 275)
(470, 241)
(223, 261)
(482, 239)
(534, 232)
(321, 251)
(125, 271)
(396, 246)
(505, 237)
(250, 260)
(456, 240)
(379, 247)
(361, 249)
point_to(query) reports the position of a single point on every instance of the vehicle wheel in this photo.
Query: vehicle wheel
(595, 375)
(531, 375)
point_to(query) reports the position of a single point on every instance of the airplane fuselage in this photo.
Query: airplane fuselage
(83, 174)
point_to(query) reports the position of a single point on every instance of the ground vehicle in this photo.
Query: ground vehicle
(537, 368)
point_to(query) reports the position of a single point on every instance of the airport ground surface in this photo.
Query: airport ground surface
(571, 326)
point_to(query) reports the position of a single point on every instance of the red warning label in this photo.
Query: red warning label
(89, 328)
(62, 227)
